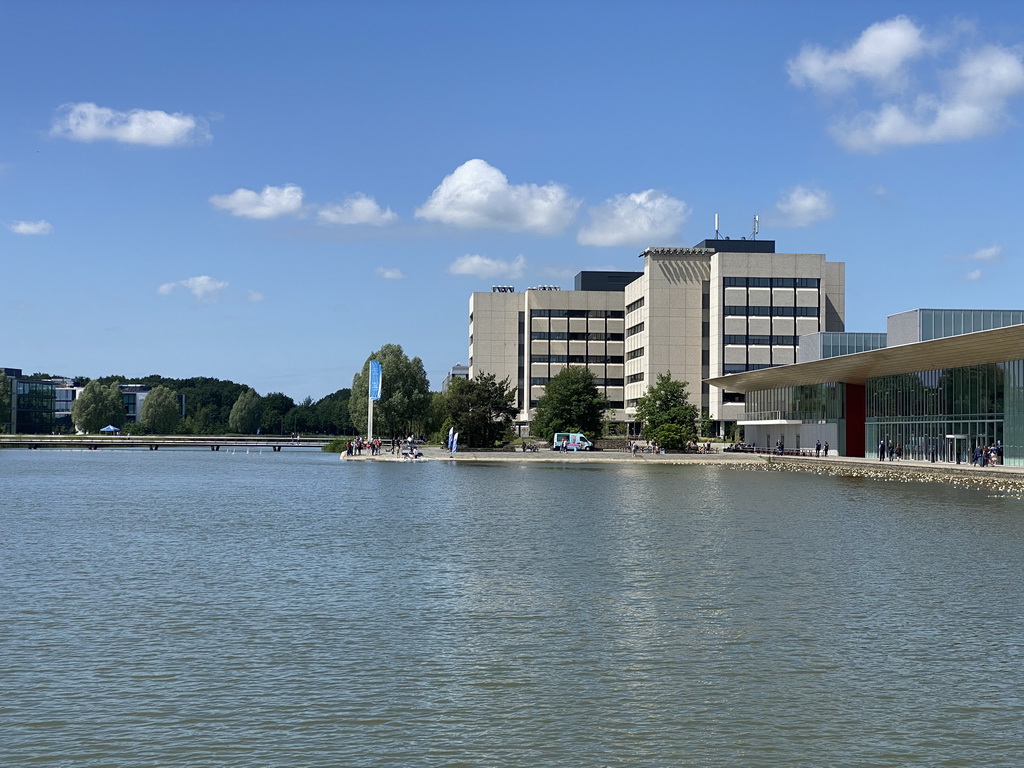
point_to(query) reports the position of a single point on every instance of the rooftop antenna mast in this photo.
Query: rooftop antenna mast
(717, 237)
(754, 235)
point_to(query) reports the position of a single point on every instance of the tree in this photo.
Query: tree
(668, 403)
(275, 407)
(5, 402)
(332, 413)
(98, 405)
(481, 409)
(570, 403)
(246, 413)
(160, 411)
(405, 394)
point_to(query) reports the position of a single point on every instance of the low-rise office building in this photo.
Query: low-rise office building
(952, 383)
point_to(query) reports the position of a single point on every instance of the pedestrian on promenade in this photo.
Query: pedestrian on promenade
(826, 449)
(817, 449)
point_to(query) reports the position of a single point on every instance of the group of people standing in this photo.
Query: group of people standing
(820, 450)
(357, 446)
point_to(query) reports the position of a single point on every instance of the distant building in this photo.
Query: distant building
(43, 405)
(458, 371)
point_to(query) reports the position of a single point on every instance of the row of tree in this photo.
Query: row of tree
(482, 410)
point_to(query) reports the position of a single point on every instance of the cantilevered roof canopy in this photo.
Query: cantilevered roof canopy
(994, 346)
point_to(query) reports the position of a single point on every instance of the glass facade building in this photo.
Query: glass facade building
(946, 414)
(34, 406)
(819, 346)
(927, 324)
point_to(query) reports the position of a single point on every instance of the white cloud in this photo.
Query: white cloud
(879, 55)
(358, 209)
(642, 218)
(973, 276)
(254, 296)
(477, 194)
(271, 203)
(991, 253)
(42, 227)
(971, 99)
(484, 267)
(88, 122)
(390, 274)
(801, 207)
(203, 287)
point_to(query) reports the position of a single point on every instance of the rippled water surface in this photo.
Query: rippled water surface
(194, 608)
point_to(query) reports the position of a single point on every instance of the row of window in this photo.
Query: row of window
(749, 340)
(771, 282)
(633, 330)
(744, 310)
(576, 313)
(633, 306)
(577, 359)
(582, 336)
(616, 404)
(634, 378)
(540, 381)
(633, 354)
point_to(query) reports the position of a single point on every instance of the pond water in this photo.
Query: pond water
(190, 608)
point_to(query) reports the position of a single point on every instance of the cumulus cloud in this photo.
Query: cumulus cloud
(41, 227)
(477, 194)
(880, 55)
(86, 121)
(358, 209)
(971, 98)
(484, 267)
(390, 274)
(973, 276)
(254, 296)
(203, 287)
(271, 203)
(642, 218)
(801, 207)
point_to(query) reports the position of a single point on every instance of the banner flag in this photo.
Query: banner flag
(375, 377)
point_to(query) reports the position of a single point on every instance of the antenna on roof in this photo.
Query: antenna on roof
(754, 236)
(716, 227)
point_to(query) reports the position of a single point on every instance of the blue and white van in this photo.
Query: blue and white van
(571, 441)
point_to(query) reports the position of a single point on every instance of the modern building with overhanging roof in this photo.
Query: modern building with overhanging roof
(938, 398)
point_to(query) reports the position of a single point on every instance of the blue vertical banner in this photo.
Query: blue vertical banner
(375, 376)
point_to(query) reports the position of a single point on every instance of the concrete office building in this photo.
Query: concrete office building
(530, 336)
(724, 306)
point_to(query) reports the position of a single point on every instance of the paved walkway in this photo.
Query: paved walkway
(434, 453)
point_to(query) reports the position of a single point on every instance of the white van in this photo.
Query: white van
(571, 441)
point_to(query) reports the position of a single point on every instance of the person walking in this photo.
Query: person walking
(817, 449)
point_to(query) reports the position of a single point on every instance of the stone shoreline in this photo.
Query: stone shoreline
(1002, 480)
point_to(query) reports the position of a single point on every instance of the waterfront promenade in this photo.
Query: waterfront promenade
(1002, 478)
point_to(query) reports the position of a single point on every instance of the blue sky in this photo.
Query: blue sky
(268, 192)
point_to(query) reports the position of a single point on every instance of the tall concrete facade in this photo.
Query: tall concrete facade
(723, 306)
(530, 336)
